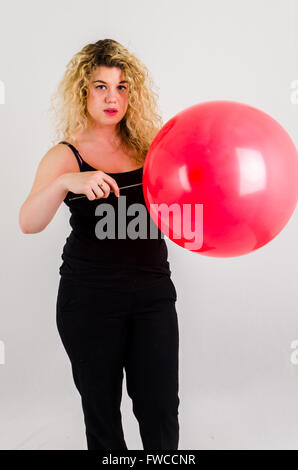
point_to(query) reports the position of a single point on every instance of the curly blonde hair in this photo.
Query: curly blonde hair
(141, 122)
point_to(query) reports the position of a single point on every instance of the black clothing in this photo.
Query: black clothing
(116, 310)
(84, 248)
(105, 330)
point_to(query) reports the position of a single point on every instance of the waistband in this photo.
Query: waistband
(88, 272)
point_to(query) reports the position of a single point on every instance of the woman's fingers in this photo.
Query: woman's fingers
(101, 186)
(113, 184)
(101, 189)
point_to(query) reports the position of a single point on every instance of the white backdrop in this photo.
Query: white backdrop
(237, 317)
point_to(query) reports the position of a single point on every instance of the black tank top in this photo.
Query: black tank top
(85, 254)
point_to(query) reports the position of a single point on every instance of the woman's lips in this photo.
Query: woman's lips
(110, 112)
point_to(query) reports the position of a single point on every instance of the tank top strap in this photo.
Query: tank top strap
(75, 151)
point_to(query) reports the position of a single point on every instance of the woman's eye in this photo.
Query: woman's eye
(120, 86)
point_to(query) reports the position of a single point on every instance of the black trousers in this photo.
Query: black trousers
(126, 323)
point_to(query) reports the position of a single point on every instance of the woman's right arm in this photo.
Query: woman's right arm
(49, 189)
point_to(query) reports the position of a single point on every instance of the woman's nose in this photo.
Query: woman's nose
(111, 96)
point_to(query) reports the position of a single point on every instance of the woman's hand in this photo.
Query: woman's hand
(94, 184)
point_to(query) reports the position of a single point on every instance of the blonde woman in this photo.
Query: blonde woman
(116, 299)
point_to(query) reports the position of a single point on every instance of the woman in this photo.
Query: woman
(116, 300)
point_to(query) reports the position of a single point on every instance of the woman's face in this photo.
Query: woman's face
(107, 89)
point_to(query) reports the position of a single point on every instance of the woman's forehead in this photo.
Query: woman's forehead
(108, 74)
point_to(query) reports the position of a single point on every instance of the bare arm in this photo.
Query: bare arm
(48, 190)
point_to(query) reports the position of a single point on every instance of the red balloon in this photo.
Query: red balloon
(221, 178)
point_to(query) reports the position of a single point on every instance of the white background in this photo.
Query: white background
(237, 316)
